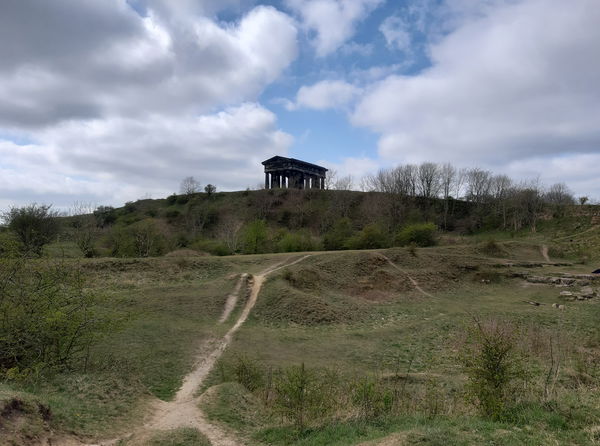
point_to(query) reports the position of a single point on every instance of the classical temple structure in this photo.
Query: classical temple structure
(293, 173)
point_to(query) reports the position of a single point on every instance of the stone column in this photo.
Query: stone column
(266, 180)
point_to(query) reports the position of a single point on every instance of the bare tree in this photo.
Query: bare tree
(229, 231)
(189, 186)
(501, 189)
(84, 227)
(447, 179)
(478, 184)
(428, 180)
(344, 183)
(559, 194)
(330, 178)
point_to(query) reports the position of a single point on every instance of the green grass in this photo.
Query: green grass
(347, 311)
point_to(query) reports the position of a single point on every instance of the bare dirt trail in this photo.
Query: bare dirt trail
(544, 251)
(233, 298)
(571, 236)
(184, 410)
(413, 281)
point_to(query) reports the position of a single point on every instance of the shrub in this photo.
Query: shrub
(9, 244)
(129, 208)
(105, 216)
(372, 399)
(172, 215)
(172, 199)
(214, 247)
(47, 318)
(141, 239)
(422, 234)
(338, 235)
(371, 237)
(492, 365)
(295, 242)
(492, 248)
(255, 237)
(249, 373)
(300, 396)
(34, 226)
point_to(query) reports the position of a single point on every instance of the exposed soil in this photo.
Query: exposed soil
(233, 298)
(544, 250)
(184, 410)
(413, 281)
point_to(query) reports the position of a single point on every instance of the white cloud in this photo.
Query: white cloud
(117, 103)
(325, 95)
(122, 159)
(60, 71)
(397, 33)
(333, 21)
(357, 167)
(515, 81)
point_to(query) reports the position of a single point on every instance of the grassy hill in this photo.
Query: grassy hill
(290, 220)
(388, 356)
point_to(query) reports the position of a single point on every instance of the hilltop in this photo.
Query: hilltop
(287, 220)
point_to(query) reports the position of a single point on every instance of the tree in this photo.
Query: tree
(34, 225)
(48, 318)
(105, 216)
(478, 185)
(428, 180)
(210, 189)
(189, 186)
(84, 227)
(344, 183)
(255, 237)
(559, 194)
(583, 200)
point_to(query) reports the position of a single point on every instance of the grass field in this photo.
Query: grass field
(350, 315)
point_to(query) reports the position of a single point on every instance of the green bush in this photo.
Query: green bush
(493, 366)
(370, 237)
(372, 399)
(301, 396)
(422, 234)
(48, 319)
(255, 237)
(172, 199)
(141, 239)
(33, 225)
(249, 373)
(214, 247)
(337, 237)
(295, 242)
(9, 244)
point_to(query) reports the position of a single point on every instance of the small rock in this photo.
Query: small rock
(566, 293)
(554, 305)
(561, 307)
(587, 292)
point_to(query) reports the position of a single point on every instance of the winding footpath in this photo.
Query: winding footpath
(184, 410)
(413, 281)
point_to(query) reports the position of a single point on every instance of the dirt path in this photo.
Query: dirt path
(571, 236)
(544, 251)
(413, 281)
(184, 411)
(233, 298)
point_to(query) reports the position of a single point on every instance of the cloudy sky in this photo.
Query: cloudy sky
(105, 101)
